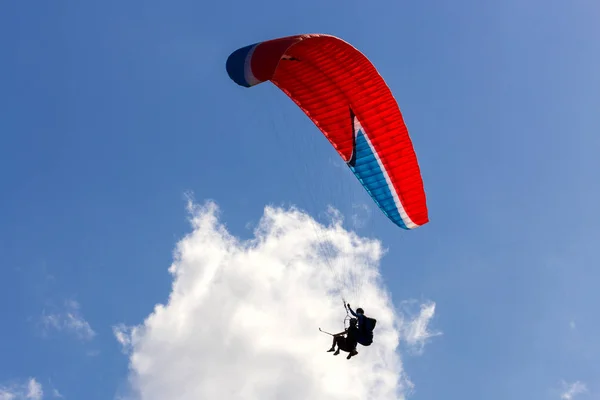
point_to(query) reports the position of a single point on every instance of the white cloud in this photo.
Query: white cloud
(32, 390)
(123, 335)
(242, 318)
(572, 390)
(6, 394)
(415, 329)
(69, 320)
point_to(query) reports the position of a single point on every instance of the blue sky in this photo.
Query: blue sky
(112, 111)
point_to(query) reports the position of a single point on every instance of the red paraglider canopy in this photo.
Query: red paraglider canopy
(340, 90)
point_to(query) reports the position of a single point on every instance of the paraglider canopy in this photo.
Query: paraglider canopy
(340, 90)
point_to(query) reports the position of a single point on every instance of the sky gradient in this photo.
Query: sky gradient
(112, 112)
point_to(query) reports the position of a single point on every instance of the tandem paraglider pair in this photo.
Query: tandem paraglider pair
(360, 332)
(344, 95)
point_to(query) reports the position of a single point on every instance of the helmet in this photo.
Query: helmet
(360, 311)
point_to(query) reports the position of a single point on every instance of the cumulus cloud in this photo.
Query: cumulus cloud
(573, 389)
(70, 320)
(31, 390)
(242, 318)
